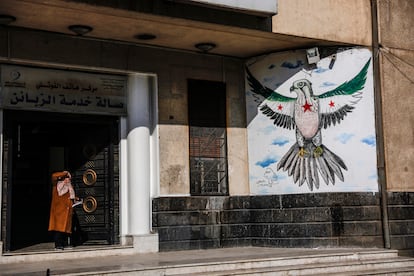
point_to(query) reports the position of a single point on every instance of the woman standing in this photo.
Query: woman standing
(61, 209)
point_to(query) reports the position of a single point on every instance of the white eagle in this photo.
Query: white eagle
(308, 114)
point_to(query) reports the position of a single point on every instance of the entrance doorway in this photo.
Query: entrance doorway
(39, 143)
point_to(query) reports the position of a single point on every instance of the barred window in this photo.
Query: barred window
(207, 131)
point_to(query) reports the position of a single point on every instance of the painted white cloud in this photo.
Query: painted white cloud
(345, 137)
(369, 140)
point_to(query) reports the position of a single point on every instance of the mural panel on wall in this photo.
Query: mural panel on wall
(311, 128)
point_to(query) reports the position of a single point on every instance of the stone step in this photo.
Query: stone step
(44, 256)
(402, 271)
(226, 261)
(392, 266)
(314, 264)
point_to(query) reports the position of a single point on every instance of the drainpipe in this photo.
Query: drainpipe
(382, 184)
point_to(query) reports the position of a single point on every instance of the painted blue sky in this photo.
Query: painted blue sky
(267, 161)
(320, 70)
(345, 137)
(327, 84)
(370, 140)
(280, 141)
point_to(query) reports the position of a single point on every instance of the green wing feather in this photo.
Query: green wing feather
(351, 86)
(264, 91)
(277, 107)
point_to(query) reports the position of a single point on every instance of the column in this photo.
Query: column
(1, 173)
(123, 179)
(139, 160)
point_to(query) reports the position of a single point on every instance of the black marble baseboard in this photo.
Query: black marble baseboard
(300, 220)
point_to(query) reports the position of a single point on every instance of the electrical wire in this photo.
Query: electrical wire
(387, 56)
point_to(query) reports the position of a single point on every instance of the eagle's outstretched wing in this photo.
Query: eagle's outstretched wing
(334, 105)
(276, 106)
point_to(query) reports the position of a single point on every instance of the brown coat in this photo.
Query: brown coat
(61, 208)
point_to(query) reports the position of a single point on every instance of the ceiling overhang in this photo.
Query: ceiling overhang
(124, 25)
(259, 8)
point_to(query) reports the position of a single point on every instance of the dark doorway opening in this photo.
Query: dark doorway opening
(38, 143)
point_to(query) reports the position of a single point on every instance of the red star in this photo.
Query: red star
(331, 104)
(306, 107)
(280, 107)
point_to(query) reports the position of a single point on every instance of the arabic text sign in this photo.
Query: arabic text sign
(62, 91)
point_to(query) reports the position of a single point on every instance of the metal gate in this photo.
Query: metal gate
(95, 181)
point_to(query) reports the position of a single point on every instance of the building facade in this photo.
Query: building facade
(174, 118)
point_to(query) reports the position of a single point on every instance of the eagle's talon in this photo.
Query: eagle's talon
(318, 151)
(302, 152)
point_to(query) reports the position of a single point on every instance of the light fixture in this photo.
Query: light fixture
(6, 19)
(80, 29)
(205, 46)
(145, 36)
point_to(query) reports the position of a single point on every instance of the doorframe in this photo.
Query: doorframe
(151, 238)
(18, 116)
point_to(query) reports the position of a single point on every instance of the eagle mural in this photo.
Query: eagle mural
(308, 159)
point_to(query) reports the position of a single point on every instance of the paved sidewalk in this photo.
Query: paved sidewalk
(160, 260)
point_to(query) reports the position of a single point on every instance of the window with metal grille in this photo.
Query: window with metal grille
(207, 124)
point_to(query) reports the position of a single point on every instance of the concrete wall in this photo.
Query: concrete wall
(396, 33)
(172, 68)
(347, 21)
(174, 140)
